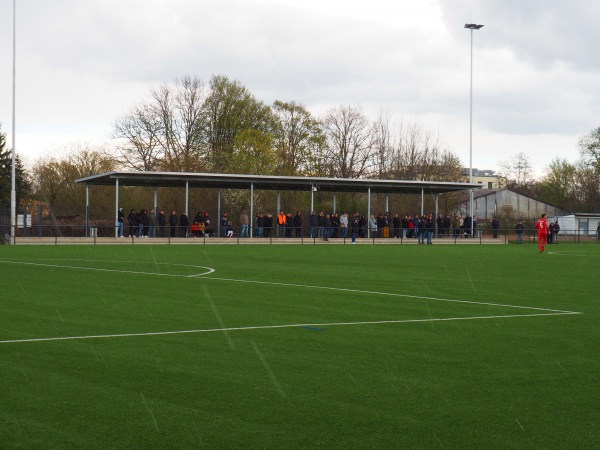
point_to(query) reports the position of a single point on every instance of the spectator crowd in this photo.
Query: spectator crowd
(144, 224)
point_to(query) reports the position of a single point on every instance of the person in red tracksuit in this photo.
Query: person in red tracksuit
(542, 227)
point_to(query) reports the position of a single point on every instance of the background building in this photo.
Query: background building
(488, 179)
(508, 205)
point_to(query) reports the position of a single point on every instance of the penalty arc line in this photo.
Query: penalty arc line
(269, 327)
(98, 269)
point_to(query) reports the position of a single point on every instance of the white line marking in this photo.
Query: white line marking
(392, 294)
(273, 283)
(294, 325)
(209, 270)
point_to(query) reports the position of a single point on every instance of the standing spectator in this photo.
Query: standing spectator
(335, 224)
(344, 224)
(468, 226)
(144, 223)
(224, 224)
(372, 226)
(298, 224)
(313, 221)
(405, 226)
(208, 231)
(411, 228)
(550, 233)
(495, 227)
(422, 229)
(281, 222)
(430, 228)
(556, 230)
(355, 227)
(244, 222)
(289, 225)
(396, 224)
(173, 224)
(152, 222)
(519, 227)
(132, 219)
(140, 223)
(542, 227)
(416, 222)
(184, 223)
(229, 229)
(268, 223)
(447, 223)
(260, 223)
(440, 226)
(386, 225)
(321, 224)
(162, 222)
(361, 226)
(327, 227)
(120, 222)
(380, 225)
(456, 226)
(598, 233)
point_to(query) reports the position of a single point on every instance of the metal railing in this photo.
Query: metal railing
(94, 234)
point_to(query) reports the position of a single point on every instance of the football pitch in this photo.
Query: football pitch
(300, 346)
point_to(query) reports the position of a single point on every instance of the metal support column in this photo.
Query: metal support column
(368, 213)
(251, 207)
(437, 198)
(154, 207)
(187, 196)
(219, 212)
(87, 210)
(116, 221)
(278, 211)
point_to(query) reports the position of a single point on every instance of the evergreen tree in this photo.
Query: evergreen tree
(23, 185)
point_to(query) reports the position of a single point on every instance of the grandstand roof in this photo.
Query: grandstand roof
(271, 182)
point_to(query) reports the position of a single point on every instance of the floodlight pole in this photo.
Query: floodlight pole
(13, 191)
(471, 26)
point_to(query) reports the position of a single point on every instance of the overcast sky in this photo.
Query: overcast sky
(536, 83)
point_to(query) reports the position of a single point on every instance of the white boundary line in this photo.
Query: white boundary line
(546, 311)
(393, 294)
(274, 283)
(60, 266)
(268, 327)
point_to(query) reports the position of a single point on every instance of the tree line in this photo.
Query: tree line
(221, 127)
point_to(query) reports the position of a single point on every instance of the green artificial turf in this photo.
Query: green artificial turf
(368, 346)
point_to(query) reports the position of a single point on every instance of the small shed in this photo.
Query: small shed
(582, 224)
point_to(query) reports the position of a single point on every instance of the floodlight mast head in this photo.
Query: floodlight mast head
(473, 26)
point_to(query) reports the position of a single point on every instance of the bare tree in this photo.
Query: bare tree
(180, 111)
(589, 146)
(519, 173)
(137, 138)
(167, 132)
(412, 153)
(54, 178)
(350, 142)
(384, 146)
